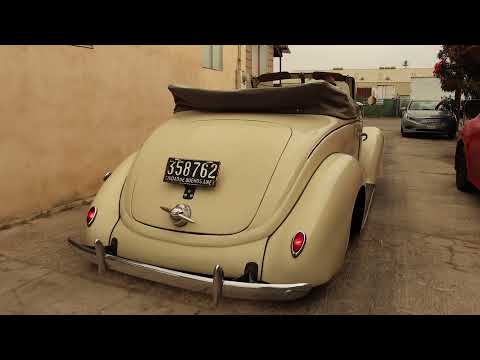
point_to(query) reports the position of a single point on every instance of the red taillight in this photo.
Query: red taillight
(91, 215)
(298, 243)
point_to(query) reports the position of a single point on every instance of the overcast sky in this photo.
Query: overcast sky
(325, 57)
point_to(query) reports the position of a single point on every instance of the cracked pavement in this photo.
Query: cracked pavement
(419, 253)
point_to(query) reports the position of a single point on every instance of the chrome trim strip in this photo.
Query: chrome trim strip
(369, 192)
(230, 289)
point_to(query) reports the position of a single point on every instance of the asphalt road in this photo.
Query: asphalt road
(418, 254)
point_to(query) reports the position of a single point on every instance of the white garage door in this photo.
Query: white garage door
(385, 92)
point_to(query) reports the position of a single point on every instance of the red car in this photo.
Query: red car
(467, 154)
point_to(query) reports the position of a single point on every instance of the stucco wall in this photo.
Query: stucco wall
(248, 62)
(381, 75)
(69, 114)
(402, 88)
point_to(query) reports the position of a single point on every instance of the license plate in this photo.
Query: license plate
(191, 172)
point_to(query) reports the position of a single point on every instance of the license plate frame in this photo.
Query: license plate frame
(202, 173)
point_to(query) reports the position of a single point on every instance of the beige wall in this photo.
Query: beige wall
(400, 77)
(403, 88)
(248, 62)
(381, 75)
(69, 114)
(270, 59)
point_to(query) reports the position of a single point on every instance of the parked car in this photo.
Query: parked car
(467, 154)
(251, 193)
(423, 117)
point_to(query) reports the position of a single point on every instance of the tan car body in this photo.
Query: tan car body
(279, 174)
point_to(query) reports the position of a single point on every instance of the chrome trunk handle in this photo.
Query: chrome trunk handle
(180, 214)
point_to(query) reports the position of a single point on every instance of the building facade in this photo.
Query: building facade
(385, 82)
(71, 113)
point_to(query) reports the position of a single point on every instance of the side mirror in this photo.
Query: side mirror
(372, 100)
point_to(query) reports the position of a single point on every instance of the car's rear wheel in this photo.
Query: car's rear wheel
(461, 171)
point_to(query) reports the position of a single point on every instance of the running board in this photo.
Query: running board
(369, 192)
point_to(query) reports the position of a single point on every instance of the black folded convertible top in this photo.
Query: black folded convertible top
(319, 98)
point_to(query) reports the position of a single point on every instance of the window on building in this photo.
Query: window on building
(260, 59)
(364, 92)
(213, 57)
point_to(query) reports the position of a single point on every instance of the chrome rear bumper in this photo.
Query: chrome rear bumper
(216, 285)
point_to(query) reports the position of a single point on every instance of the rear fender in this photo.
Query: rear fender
(107, 203)
(371, 154)
(323, 213)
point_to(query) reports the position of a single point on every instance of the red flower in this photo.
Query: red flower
(438, 67)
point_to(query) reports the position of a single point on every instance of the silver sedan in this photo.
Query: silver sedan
(426, 117)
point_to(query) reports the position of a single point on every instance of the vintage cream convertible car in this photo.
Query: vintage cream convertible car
(251, 193)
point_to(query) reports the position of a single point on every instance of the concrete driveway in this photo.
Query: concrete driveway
(418, 254)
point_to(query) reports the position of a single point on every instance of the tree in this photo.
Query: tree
(458, 72)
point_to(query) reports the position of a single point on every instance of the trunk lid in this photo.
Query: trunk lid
(248, 151)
